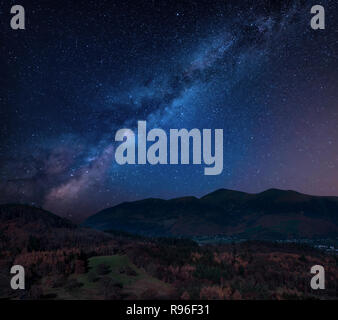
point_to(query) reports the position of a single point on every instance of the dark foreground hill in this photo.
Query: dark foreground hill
(272, 214)
(24, 227)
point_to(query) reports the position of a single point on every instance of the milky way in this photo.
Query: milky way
(79, 73)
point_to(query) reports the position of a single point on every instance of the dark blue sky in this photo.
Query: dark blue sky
(82, 70)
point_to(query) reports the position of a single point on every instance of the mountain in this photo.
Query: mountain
(272, 214)
(24, 227)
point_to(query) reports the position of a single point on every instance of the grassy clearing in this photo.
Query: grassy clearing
(121, 271)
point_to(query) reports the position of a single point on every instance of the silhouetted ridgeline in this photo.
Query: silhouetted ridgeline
(272, 214)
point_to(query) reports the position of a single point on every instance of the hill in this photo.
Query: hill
(24, 227)
(272, 214)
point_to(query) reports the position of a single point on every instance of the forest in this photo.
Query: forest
(139, 268)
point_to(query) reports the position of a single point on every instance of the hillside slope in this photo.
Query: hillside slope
(24, 227)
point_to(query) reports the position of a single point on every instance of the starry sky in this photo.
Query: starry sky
(82, 70)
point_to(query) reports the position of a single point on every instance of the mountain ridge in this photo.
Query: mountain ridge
(273, 213)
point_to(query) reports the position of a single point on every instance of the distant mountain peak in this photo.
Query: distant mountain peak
(275, 190)
(225, 192)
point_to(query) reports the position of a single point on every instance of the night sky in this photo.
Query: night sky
(84, 69)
